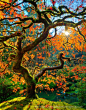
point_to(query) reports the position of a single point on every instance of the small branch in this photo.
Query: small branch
(18, 4)
(51, 12)
(47, 18)
(10, 4)
(36, 42)
(4, 38)
(2, 47)
(23, 29)
(81, 34)
(8, 45)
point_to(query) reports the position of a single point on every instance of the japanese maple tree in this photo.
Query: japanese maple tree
(26, 23)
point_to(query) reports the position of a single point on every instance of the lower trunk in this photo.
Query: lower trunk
(30, 83)
(30, 89)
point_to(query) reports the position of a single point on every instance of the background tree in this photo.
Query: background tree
(27, 23)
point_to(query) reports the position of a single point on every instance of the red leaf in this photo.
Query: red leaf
(5, 3)
(80, 6)
(51, 8)
(53, 2)
(60, 84)
(15, 108)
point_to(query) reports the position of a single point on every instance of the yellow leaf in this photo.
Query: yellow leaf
(1, 15)
(32, 56)
(2, 2)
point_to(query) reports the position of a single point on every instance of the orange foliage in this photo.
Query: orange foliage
(3, 2)
(75, 40)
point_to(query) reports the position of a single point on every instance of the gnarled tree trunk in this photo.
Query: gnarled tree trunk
(30, 82)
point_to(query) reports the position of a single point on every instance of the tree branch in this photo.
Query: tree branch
(36, 42)
(55, 67)
(47, 18)
(81, 34)
(51, 68)
(46, 31)
(19, 43)
(4, 38)
(8, 45)
(10, 4)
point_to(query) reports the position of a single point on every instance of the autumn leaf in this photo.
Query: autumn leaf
(26, 57)
(32, 56)
(80, 6)
(76, 77)
(21, 104)
(2, 1)
(60, 84)
(51, 8)
(22, 91)
(53, 2)
(1, 15)
(15, 108)
(52, 89)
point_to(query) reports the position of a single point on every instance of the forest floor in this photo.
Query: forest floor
(21, 103)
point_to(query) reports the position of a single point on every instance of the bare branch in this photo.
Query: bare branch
(81, 34)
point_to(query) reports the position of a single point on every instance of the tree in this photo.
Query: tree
(35, 26)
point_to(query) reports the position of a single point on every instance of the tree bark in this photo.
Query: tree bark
(30, 82)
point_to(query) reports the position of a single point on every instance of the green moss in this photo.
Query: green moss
(21, 103)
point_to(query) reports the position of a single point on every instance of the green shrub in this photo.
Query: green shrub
(81, 93)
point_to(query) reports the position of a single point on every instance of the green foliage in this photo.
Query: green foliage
(44, 82)
(7, 86)
(81, 93)
(4, 58)
(12, 56)
(5, 89)
(52, 85)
